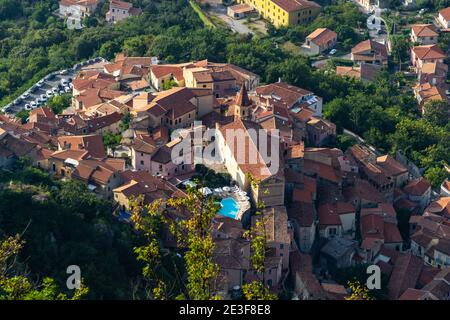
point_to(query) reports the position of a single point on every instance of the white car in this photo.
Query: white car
(64, 82)
(43, 97)
(55, 90)
(67, 89)
(49, 94)
(333, 51)
(63, 72)
(33, 104)
(27, 107)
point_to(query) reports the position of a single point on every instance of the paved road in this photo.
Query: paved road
(375, 24)
(49, 82)
(238, 26)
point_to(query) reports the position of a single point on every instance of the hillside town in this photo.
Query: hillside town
(327, 210)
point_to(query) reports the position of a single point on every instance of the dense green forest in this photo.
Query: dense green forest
(62, 224)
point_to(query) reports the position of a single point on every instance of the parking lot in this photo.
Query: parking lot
(51, 82)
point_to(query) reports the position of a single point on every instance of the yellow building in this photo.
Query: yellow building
(285, 12)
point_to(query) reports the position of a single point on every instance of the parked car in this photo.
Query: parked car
(38, 102)
(61, 92)
(28, 107)
(25, 95)
(64, 82)
(33, 89)
(63, 71)
(67, 89)
(332, 51)
(43, 97)
(55, 90)
(33, 104)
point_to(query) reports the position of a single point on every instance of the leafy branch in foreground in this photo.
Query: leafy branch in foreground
(195, 234)
(257, 290)
(147, 218)
(16, 286)
(359, 291)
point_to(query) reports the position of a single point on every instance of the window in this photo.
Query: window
(142, 162)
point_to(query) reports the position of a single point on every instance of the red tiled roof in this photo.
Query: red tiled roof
(324, 171)
(294, 5)
(285, 92)
(322, 36)
(301, 195)
(426, 52)
(370, 46)
(121, 4)
(445, 13)
(424, 30)
(250, 146)
(406, 272)
(417, 187)
(91, 143)
(413, 294)
(160, 71)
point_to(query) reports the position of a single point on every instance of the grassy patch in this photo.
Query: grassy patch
(206, 21)
(291, 48)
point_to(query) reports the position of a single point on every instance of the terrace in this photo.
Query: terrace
(233, 201)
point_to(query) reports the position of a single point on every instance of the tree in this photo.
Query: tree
(257, 290)
(23, 115)
(14, 285)
(437, 112)
(400, 49)
(147, 218)
(195, 234)
(169, 84)
(111, 140)
(358, 291)
(192, 233)
(59, 103)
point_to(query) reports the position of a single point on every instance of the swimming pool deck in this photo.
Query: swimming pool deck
(244, 205)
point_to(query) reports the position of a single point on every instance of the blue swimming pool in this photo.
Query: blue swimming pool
(230, 208)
